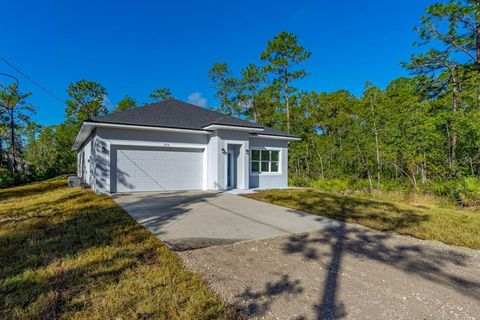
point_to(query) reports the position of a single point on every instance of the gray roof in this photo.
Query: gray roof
(181, 115)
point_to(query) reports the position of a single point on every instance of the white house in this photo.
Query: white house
(173, 145)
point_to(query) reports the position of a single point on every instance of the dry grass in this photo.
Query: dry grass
(68, 253)
(449, 225)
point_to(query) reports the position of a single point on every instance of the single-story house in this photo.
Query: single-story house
(173, 145)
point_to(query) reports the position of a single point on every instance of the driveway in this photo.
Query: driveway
(300, 266)
(192, 219)
(343, 272)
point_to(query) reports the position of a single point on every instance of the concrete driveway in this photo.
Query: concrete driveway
(193, 219)
(333, 270)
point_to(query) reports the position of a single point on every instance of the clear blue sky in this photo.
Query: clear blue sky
(133, 47)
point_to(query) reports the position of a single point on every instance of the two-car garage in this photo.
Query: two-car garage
(136, 169)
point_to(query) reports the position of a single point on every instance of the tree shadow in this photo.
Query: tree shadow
(257, 303)
(31, 189)
(31, 244)
(334, 243)
(386, 216)
(156, 209)
(338, 239)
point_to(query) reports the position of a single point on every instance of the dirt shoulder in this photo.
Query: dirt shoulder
(345, 271)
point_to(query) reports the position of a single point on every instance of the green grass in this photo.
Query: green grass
(450, 225)
(66, 253)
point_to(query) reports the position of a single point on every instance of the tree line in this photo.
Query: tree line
(30, 151)
(420, 131)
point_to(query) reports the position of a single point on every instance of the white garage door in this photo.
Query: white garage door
(159, 169)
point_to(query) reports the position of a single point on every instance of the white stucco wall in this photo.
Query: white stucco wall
(213, 151)
(240, 141)
(270, 180)
(108, 139)
(86, 170)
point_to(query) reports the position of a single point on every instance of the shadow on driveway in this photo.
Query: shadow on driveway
(344, 271)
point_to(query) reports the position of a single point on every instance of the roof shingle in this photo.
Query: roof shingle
(178, 114)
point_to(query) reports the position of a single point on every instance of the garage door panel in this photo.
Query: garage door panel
(159, 169)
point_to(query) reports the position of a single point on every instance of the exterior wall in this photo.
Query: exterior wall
(270, 180)
(107, 139)
(85, 169)
(239, 139)
(101, 146)
(213, 155)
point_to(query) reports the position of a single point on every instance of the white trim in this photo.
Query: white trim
(141, 143)
(243, 183)
(235, 128)
(205, 168)
(280, 161)
(87, 128)
(128, 126)
(266, 136)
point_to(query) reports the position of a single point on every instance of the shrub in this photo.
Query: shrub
(6, 178)
(297, 181)
(470, 192)
(333, 185)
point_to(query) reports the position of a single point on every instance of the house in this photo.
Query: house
(173, 145)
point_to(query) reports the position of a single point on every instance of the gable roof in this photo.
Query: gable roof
(180, 115)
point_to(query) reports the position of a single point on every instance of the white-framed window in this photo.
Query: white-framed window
(265, 161)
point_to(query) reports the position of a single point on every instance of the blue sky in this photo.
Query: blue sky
(133, 47)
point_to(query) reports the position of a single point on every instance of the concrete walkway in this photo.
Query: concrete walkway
(191, 220)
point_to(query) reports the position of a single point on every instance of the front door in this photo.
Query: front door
(230, 169)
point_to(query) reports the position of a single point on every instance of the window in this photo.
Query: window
(265, 161)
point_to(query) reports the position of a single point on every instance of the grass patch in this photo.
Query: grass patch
(68, 253)
(449, 225)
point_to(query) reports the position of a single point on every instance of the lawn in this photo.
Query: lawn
(454, 226)
(68, 253)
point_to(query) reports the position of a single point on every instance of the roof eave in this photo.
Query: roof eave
(277, 137)
(88, 126)
(214, 126)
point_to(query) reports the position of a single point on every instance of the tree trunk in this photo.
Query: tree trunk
(369, 175)
(377, 149)
(319, 157)
(477, 47)
(12, 142)
(453, 152)
(471, 166)
(414, 179)
(287, 102)
(449, 141)
(307, 168)
(424, 169)
(321, 167)
(1, 150)
(411, 178)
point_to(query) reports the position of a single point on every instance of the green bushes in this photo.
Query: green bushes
(6, 178)
(463, 191)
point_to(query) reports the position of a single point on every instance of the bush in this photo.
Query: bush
(461, 191)
(470, 192)
(333, 185)
(6, 178)
(464, 191)
(297, 181)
